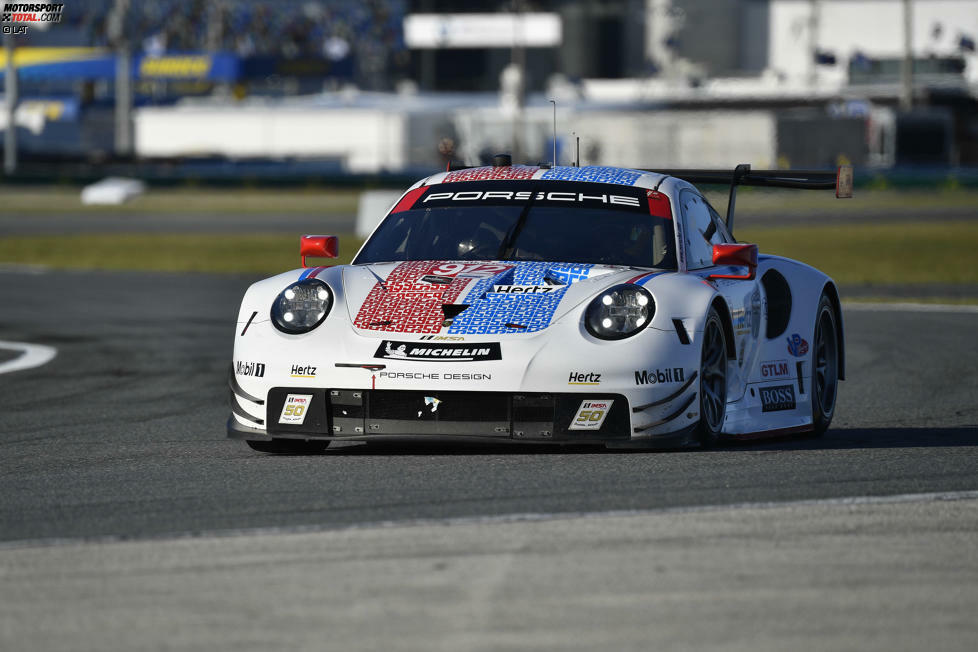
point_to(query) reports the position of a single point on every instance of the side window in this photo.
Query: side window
(702, 231)
(721, 225)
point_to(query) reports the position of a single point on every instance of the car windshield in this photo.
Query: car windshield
(527, 221)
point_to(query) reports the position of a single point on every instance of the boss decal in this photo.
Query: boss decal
(295, 408)
(590, 415)
(256, 369)
(777, 398)
(421, 352)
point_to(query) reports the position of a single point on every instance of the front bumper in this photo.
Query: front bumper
(359, 414)
(495, 416)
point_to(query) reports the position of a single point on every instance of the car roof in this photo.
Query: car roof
(584, 173)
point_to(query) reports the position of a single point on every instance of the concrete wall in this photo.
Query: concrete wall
(366, 140)
(373, 140)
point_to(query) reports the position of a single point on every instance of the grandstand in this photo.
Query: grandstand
(366, 31)
(337, 83)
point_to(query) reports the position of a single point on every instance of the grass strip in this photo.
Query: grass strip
(781, 202)
(904, 253)
(215, 253)
(204, 201)
(944, 301)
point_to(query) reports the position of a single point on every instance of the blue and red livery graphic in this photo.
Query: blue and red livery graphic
(797, 346)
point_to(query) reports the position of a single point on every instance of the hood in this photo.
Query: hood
(468, 298)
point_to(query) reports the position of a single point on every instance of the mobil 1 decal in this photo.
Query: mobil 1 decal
(561, 194)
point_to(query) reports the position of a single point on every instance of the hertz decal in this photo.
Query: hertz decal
(175, 67)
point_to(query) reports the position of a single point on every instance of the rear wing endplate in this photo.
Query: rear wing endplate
(742, 175)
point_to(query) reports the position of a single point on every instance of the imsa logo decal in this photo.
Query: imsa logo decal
(777, 398)
(590, 415)
(295, 408)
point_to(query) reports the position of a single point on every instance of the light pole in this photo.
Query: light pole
(906, 68)
(10, 95)
(123, 78)
(554, 161)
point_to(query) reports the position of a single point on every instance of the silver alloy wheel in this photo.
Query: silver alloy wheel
(713, 377)
(826, 363)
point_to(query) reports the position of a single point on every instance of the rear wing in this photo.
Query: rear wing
(742, 175)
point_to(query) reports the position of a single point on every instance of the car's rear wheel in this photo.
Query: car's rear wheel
(825, 366)
(713, 381)
(289, 446)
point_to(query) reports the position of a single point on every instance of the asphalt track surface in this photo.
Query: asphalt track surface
(128, 521)
(122, 434)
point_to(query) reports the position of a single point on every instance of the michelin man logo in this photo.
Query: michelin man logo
(432, 402)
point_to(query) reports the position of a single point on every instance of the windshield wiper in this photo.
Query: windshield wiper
(506, 246)
(380, 281)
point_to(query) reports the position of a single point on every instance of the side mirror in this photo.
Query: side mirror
(318, 246)
(736, 254)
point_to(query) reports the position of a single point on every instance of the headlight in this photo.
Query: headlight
(302, 306)
(619, 312)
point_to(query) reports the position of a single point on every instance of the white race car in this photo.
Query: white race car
(563, 305)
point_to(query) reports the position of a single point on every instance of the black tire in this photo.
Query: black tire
(825, 366)
(289, 446)
(713, 381)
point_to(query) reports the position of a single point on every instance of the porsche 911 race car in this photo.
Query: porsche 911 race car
(564, 305)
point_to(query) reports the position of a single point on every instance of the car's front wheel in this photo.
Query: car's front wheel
(288, 446)
(825, 366)
(713, 381)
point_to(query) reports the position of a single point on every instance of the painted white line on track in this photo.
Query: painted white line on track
(32, 355)
(866, 306)
(520, 517)
(18, 268)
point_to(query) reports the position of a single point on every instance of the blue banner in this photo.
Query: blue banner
(40, 64)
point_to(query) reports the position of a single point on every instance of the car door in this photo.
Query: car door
(703, 228)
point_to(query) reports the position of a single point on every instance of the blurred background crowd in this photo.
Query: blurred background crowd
(341, 87)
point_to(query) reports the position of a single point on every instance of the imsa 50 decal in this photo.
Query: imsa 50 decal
(295, 408)
(590, 415)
